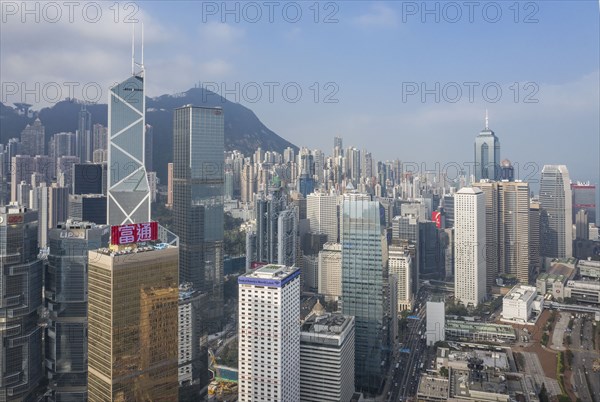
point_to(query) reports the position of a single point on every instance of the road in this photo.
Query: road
(583, 358)
(406, 378)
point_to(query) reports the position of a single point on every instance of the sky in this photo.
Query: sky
(401, 79)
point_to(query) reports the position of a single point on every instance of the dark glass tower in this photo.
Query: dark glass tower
(198, 184)
(20, 298)
(66, 299)
(487, 154)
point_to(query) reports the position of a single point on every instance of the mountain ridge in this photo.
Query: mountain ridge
(243, 129)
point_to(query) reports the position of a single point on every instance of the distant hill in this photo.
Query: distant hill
(243, 130)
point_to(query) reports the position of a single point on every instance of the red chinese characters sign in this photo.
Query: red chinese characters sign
(134, 233)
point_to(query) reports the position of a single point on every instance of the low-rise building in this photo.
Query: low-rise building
(475, 331)
(589, 268)
(518, 304)
(583, 291)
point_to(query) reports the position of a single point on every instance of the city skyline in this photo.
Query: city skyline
(567, 89)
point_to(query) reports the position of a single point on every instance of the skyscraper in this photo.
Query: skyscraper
(22, 166)
(66, 297)
(556, 221)
(132, 324)
(487, 154)
(198, 159)
(514, 229)
(327, 357)
(287, 236)
(128, 190)
(581, 225)
(269, 334)
(85, 143)
(469, 243)
(58, 205)
(330, 271)
(584, 197)
(400, 264)
(362, 263)
(322, 212)
(33, 140)
(492, 231)
(20, 297)
(534, 238)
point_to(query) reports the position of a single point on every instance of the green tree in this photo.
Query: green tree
(444, 372)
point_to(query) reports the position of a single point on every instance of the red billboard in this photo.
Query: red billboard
(436, 216)
(14, 219)
(134, 233)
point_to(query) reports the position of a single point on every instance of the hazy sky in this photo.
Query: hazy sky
(407, 80)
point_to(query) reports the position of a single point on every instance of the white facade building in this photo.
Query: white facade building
(400, 264)
(330, 271)
(321, 211)
(269, 334)
(327, 358)
(469, 246)
(518, 303)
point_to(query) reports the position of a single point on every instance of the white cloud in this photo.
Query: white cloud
(379, 15)
(216, 34)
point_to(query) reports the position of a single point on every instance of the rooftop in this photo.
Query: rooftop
(474, 327)
(133, 250)
(331, 324)
(521, 292)
(271, 275)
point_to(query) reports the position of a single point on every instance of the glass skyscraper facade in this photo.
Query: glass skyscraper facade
(66, 293)
(487, 155)
(556, 232)
(128, 189)
(20, 297)
(198, 184)
(363, 280)
(198, 160)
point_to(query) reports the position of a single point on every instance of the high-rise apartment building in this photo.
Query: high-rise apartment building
(20, 298)
(469, 246)
(22, 166)
(400, 264)
(66, 293)
(85, 140)
(492, 232)
(327, 357)
(556, 219)
(534, 238)
(269, 334)
(487, 154)
(362, 262)
(322, 212)
(133, 323)
(33, 139)
(514, 229)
